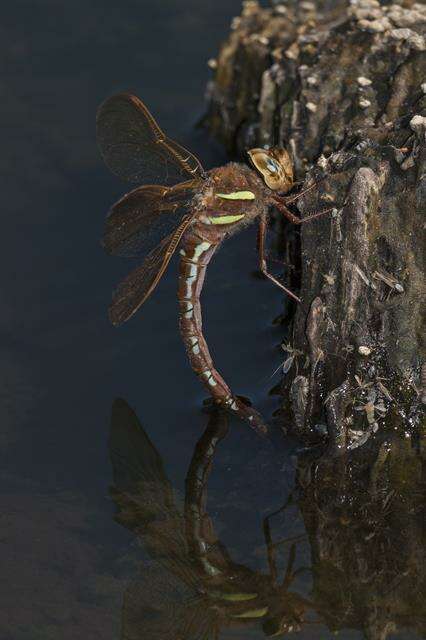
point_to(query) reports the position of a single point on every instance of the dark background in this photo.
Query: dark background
(65, 563)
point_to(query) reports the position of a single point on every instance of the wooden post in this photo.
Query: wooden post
(343, 88)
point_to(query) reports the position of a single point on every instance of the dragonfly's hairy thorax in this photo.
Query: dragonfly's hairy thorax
(232, 197)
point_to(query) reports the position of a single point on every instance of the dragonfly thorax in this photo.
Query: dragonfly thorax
(233, 196)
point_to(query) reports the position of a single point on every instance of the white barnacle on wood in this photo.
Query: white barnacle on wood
(292, 53)
(406, 16)
(364, 82)
(418, 125)
(235, 23)
(364, 4)
(379, 25)
(322, 162)
(417, 42)
(364, 103)
(413, 39)
(280, 9)
(329, 278)
(263, 40)
(401, 34)
(365, 9)
(307, 6)
(364, 350)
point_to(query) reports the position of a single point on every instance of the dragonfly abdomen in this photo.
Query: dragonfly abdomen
(196, 254)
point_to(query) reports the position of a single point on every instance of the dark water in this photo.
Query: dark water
(66, 564)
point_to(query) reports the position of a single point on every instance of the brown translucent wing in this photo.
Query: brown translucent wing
(164, 601)
(143, 217)
(159, 606)
(135, 148)
(141, 282)
(145, 500)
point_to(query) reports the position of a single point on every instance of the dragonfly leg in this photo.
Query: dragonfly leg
(262, 259)
(296, 196)
(270, 546)
(280, 204)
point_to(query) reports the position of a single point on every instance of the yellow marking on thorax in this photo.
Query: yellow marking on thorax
(237, 195)
(254, 613)
(226, 219)
(233, 597)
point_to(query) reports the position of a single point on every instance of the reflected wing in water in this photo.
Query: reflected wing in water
(167, 601)
(135, 460)
(160, 607)
(143, 217)
(142, 492)
(141, 282)
(135, 148)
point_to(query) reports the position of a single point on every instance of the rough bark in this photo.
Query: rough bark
(343, 88)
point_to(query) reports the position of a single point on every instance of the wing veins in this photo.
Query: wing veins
(125, 122)
(143, 215)
(140, 283)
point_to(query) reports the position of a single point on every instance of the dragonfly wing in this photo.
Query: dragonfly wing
(141, 282)
(144, 497)
(135, 460)
(141, 218)
(158, 606)
(165, 600)
(135, 148)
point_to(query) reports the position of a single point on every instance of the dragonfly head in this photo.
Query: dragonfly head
(275, 167)
(286, 614)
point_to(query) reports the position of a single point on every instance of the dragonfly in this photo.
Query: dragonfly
(181, 205)
(190, 588)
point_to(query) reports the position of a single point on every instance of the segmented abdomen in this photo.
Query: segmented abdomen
(196, 254)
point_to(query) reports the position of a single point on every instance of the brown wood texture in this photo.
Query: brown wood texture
(342, 86)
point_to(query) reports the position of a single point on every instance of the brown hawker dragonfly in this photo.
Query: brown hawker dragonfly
(193, 208)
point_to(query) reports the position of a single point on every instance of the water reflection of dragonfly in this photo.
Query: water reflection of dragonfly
(191, 588)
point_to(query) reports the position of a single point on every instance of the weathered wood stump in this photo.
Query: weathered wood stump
(344, 89)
